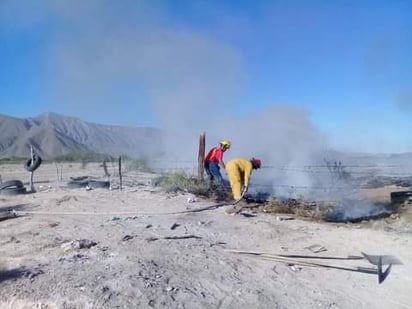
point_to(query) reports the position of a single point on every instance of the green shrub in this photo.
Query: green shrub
(181, 182)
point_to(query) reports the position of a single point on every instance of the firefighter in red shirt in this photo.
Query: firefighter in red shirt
(214, 161)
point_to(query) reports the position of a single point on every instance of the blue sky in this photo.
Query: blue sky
(347, 64)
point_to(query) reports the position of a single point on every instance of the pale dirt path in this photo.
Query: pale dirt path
(187, 273)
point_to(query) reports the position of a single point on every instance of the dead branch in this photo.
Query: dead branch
(8, 215)
(173, 237)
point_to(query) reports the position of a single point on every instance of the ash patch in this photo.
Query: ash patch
(357, 211)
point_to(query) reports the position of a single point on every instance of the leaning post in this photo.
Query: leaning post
(106, 172)
(31, 173)
(120, 173)
(201, 157)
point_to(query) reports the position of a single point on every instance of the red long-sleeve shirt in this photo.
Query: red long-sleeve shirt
(214, 155)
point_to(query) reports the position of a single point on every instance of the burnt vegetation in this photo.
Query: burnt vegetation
(342, 208)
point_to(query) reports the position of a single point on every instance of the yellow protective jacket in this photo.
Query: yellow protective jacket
(238, 171)
(242, 167)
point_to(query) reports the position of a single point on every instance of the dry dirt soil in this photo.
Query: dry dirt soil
(128, 261)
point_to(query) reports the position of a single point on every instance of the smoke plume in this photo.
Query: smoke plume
(121, 62)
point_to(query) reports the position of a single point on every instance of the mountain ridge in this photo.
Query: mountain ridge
(53, 135)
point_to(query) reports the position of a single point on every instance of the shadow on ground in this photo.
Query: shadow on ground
(18, 207)
(12, 274)
(10, 212)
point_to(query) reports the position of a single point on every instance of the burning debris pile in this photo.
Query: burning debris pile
(297, 207)
(345, 210)
(357, 211)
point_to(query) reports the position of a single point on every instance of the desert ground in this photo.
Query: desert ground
(100, 248)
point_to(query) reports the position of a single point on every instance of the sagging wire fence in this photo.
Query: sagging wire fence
(353, 169)
(334, 173)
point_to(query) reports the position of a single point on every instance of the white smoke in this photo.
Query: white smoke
(124, 61)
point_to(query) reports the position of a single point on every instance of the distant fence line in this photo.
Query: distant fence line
(176, 166)
(48, 172)
(318, 169)
(193, 162)
(173, 161)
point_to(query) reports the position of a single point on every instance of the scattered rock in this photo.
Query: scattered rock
(32, 273)
(131, 218)
(248, 215)
(294, 268)
(78, 244)
(127, 237)
(74, 258)
(316, 248)
(278, 218)
(45, 188)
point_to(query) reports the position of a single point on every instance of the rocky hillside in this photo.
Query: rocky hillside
(54, 135)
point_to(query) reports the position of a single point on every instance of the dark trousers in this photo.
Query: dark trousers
(213, 171)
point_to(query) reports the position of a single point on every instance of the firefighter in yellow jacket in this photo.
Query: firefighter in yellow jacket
(239, 171)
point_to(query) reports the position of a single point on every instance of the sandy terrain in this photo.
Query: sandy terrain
(133, 266)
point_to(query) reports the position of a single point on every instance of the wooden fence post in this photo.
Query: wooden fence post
(201, 157)
(57, 171)
(31, 173)
(106, 172)
(120, 173)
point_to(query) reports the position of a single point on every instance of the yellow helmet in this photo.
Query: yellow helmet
(225, 143)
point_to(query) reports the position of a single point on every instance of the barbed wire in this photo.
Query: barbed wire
(305, 168)
(50, 173)
(283, 166)
(288, 170)
(326, 172)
